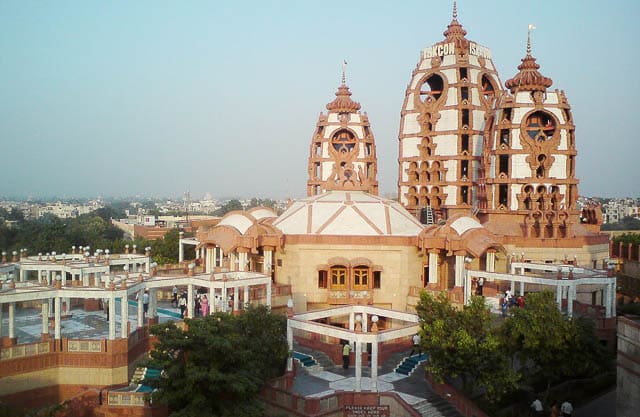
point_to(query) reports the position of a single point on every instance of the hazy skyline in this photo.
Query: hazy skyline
(156, 98)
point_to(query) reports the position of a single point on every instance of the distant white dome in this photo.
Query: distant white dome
(347, 213)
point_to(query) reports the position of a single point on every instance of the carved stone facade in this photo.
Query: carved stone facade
(343, 150)
(442, 124)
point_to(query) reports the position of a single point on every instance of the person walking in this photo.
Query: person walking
(174, 296)
(145, 303)
(183, 305)
(480, 285)
(416, 344)
(204, 305)
(346, 350)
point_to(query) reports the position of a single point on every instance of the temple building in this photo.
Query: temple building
(487, 189)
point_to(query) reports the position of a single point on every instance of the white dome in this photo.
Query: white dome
(347, 213)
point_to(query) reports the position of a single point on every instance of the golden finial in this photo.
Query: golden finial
(344, 72)
(455, 10)
(531, 27)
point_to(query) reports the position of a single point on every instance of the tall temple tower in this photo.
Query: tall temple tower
(343, 150)
(529, 156)
(442, 125)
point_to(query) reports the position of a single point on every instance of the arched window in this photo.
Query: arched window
(488, 89)
(360, 278)
(540, 126)
(431, 88)
(338, 277)
(343, 141)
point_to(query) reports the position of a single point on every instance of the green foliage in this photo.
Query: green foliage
(559, 348)
(464, 344)
(627, 238)
(627, 223)
(218, 366)
(230, 205)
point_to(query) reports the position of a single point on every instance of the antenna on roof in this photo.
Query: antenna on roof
(455, 10)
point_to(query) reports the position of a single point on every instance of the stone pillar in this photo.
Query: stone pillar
(49, 277)
(223, 295)
(57, 317)
(491, 260)
(613, 297)
(269, 295)
(607, 300)
(45, 319)
(190, 312)
(124, 316)
(521, 287)
(141, 308)
(181, 248)
(242, 260)
(12, 321)
(23, 275)
(112, 315)
(236, 296)
(268, 261)
(352, 321)
(559, 296)
(153, 303)
(232, 262)
(459, 271)
(358, 386)
(433, 266)
(246, 296)
(290, 344)
(364, 322)
(374, 366)
(570, 294)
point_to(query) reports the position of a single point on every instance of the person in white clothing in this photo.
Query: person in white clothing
(566, 409)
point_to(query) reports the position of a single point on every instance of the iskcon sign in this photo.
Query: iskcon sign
(366, 411)
(442, 49)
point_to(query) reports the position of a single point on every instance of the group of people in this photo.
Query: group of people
(510, 300)
(200, 303)
(564, 410)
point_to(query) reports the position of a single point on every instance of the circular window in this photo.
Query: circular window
(343, 141)
(540, 126)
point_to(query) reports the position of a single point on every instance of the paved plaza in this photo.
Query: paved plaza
(80, 324)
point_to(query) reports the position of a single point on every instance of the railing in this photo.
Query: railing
(23, 351)
(130, 399)
(85, 346)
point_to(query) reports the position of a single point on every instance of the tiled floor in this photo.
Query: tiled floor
(81, 324)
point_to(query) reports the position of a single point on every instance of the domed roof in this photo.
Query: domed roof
(345, 213)
(343, 103)
(262, 212)
(241, 221)
(529, 78)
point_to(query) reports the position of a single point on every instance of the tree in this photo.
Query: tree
(464, 344)
(557, 347)
(218, 364)
(230, 205)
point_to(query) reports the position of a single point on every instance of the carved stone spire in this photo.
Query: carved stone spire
(529, 78)
(343, 102)
(454, 31)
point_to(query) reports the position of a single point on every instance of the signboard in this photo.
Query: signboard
(366, 411)
(442, 49)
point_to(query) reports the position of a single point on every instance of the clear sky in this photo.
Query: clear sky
(121, 98)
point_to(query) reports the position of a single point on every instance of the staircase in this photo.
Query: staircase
(436, 407)
(409, 364)
(323, 361)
